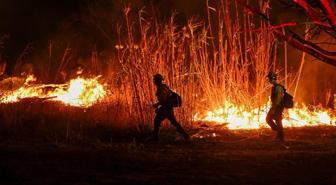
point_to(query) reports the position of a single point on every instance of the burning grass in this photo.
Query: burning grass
(217, 67)
(78, 92)
(238, 118)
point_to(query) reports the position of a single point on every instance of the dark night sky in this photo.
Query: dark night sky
(29, 20)
(66, 22)
(32, 20)
(39, 21)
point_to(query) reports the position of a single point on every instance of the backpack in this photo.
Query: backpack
(288, 101)
(175, 99)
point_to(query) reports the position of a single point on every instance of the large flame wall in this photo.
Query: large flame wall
(85, 92)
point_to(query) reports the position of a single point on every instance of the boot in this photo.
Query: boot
(280, 136)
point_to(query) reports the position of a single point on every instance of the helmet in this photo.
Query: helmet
(158, 77)
(272, 75)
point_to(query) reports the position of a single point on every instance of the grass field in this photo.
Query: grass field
(232, 157)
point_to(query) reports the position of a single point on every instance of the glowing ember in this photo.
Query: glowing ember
(78, 92)
(237, 117)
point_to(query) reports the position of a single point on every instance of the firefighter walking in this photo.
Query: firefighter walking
(164, 109)
(274, 115)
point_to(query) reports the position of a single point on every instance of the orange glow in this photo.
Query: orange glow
(80, 92)
(238, 117)
(85, 92)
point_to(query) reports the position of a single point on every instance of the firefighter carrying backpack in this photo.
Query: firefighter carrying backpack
(175, 99)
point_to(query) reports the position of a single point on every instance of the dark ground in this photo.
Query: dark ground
(233, 157)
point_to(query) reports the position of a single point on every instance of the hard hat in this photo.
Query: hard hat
(158, 77)
(272, 75)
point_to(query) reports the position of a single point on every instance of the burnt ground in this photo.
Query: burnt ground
(232, 157)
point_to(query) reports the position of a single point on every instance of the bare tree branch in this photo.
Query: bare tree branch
(294, 39)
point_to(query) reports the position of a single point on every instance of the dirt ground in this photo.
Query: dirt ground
(222, 157)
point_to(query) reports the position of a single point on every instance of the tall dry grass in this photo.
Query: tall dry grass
(208, 62)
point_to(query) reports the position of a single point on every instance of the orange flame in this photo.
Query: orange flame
(78, 92)
(238, 117)
(85, 92)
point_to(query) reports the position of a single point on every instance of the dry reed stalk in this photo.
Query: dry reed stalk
(206, 73)
(49, 61)
(18, 63)
(64, 61)
(95, 61)
(286, 65)
(302, 62)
